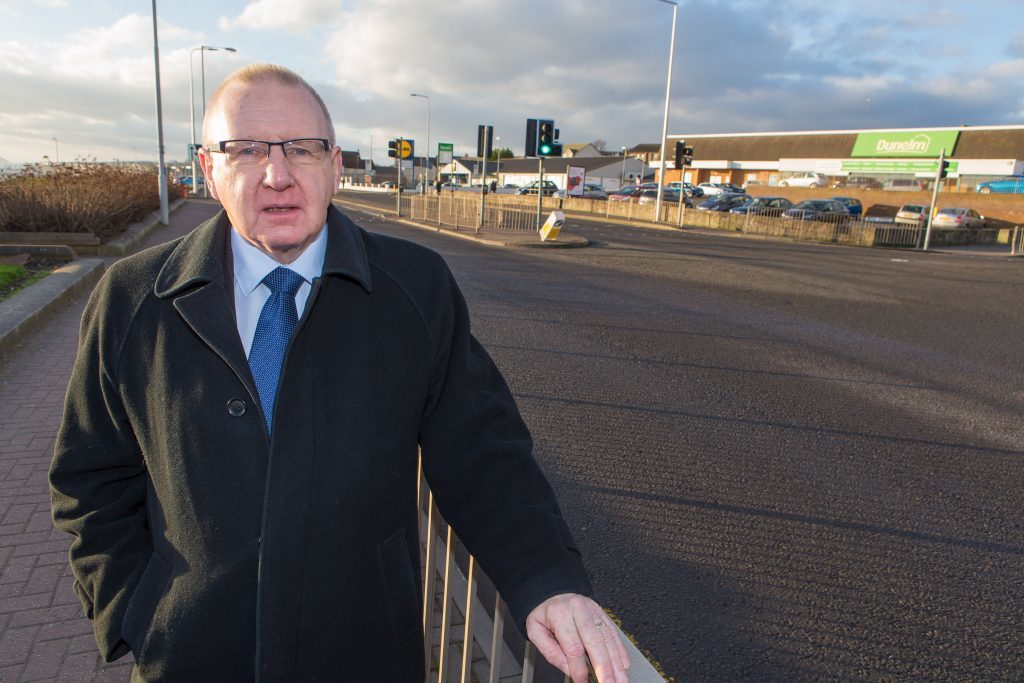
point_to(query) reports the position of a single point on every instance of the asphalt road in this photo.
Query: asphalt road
(781, 461)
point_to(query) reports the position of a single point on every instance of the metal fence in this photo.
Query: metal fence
(465, 641)
(501, 213)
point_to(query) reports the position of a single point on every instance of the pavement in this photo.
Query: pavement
(44, 635)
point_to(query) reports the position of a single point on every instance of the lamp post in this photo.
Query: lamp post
(56, 150)
(668, 96)
(497, 173)
(426, 156)
(192, 99)
(161, 171)
(622, 174)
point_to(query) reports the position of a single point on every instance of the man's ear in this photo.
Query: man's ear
(206, 161)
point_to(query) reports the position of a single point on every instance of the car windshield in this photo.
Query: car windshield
(953, 212)
(913, 208)
(812, 205)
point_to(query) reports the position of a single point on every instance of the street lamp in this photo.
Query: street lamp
(161, 171)
(497, 147)
(56, 149)
(622, 174)
(668, 95)
(192, 100)
(426, 156)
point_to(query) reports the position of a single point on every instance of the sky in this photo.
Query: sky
(77, 76)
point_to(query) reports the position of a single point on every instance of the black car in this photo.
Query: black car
(862, 182)
(825, 210)
(764, 206)
(723, 202)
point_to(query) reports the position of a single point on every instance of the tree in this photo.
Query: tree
(503, 153)
(599, 144)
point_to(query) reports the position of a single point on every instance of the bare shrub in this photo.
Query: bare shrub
(79, 197)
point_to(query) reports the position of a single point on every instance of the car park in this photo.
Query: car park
(853, 205)
(548, 188)
(911, 214)
(667, 196)
(825, 210)
(763, 206)
(1013, 184)
(690, 189)
(724, 202)
(956, 217)
(710, 189)
(809, 179)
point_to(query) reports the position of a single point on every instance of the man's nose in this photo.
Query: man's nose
(278, 172)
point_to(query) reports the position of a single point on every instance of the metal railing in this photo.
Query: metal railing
(463, 641)
(501, 213)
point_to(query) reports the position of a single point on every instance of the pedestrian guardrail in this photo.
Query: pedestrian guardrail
(463, 640)
(463, 211)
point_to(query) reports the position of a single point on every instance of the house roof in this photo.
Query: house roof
(558, 164)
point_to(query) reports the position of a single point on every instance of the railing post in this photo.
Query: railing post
(428, 578)
(497, 641)
(529, 654)
(446, 617)
(467, 632)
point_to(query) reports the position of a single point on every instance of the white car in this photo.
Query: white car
(958, 218)
(809, 179)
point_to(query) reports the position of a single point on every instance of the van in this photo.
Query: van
(904, 185)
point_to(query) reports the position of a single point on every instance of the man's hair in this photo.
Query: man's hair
(261, 72)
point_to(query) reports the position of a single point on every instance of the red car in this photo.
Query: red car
(625, 194)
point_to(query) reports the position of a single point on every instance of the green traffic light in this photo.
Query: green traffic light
(545, 149)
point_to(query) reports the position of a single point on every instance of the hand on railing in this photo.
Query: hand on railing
(568, 629)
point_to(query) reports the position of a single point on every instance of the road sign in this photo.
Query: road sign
(405, 148)
(549, 231)
(445, 152)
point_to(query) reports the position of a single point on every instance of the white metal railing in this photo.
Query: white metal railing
(456, 626)
(463, 212)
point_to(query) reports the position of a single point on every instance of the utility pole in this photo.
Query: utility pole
(540, 189)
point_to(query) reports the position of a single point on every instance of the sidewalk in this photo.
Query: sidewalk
(44, 635)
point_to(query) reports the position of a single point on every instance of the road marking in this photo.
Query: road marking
(899, 260)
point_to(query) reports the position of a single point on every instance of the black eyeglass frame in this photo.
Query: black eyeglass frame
(270, 145)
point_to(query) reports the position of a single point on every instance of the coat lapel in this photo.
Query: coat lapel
(197, 279)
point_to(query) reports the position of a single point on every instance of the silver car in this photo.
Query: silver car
(954, 217)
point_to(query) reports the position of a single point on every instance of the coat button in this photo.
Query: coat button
(236, 407)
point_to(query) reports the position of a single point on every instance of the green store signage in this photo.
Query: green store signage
(895, 166)
(905, 143)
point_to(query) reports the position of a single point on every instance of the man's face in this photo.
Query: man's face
(277, 205)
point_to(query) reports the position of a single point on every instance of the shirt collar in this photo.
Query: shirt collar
(252, 265)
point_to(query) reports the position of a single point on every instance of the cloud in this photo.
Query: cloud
(295, 16)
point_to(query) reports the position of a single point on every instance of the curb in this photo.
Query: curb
(24, 311)
(125, 244)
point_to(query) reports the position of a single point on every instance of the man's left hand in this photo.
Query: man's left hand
(568, 629)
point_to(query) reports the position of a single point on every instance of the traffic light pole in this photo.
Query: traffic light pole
(935, 194)
(398, 186)
(540, 189)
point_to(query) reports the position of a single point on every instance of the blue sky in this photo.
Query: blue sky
(81, 71)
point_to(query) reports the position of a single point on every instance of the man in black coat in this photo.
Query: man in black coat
(237, 460)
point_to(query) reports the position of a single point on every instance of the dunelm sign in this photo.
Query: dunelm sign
(905, 143)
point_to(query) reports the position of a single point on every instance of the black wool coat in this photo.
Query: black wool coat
(213, 552)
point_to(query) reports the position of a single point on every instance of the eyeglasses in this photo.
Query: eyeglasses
(252, 152)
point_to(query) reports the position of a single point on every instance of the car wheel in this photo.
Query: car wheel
(985, 190)
(783, 184)
(813, 185)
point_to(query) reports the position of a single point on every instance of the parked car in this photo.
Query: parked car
(710, 189)
(862, 182)
(589, 192)
(764, 206)
(1013, 184)
(955, 217)
(667, 197)
(825, 210)
(548, 189)
(388, 184)
(625, 194)
(853, 205)
(724, 202)
(911, 214)
(809, 179)
(904, 185)
(186, 180)
(753, 182)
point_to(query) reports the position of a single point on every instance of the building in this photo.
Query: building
(975, 153)
(610, 172)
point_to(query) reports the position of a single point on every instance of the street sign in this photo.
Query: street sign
(445, 153)
(405, 148)
(193, 152)
(549, 231)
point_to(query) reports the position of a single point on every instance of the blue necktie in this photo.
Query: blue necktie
(274, 329)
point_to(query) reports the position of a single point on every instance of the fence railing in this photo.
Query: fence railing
(501, 213)
(463, 640)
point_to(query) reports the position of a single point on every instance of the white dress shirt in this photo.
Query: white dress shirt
(252, 265)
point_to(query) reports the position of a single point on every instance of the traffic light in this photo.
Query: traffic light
(684, 154)
(484, 141)
(531, 138)
(943, 168)
(545, 137)
(393, 149)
